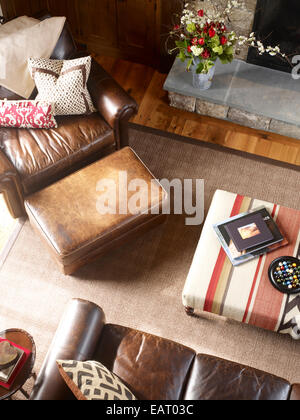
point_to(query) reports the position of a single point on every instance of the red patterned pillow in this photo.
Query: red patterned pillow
(27, 114)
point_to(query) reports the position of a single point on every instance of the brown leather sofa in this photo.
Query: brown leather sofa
(33, 159)
(153, 368)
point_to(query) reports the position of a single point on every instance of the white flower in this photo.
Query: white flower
(196, 50)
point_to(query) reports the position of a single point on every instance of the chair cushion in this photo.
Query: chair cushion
(44, 156)
(152, 367)
(213, 378)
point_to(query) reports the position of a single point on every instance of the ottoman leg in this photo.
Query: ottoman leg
(189, 311)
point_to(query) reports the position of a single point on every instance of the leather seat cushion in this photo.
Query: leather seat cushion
(44, 156)
(152, 367)
(213, 378)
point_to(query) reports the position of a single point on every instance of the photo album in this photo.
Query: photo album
(249, 235)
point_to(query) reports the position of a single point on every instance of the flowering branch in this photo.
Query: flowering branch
(251, 41)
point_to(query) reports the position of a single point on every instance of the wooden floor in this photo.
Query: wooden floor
(146, 86)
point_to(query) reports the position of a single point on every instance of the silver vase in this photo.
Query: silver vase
(203, 81)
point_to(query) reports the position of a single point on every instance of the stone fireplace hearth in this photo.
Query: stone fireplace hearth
(247, 94)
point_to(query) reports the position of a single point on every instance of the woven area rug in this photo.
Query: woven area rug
(140, 285)
(9, 230)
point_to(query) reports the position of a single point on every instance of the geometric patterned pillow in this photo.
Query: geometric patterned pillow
(93, 381)
(63, 82)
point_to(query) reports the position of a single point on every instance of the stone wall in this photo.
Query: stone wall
(241, 21)
(235, 115)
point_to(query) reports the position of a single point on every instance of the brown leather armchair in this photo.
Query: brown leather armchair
(33, 159)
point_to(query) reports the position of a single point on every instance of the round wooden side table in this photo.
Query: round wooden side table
(23, 339)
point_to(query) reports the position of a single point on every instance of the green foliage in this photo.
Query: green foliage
(215, 41)
(189, 64)
(191, 28)
(227, 56)
(204, 66)
(182, 56)
(218, 50)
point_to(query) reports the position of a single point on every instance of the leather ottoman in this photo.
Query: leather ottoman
(69, 214)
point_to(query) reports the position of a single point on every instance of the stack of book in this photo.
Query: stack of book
(249, 235)
(9, 371)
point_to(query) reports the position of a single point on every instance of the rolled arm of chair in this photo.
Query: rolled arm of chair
(76, 339)
(112, 101)
(10, 187)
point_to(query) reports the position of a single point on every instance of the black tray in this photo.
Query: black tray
(280, 287)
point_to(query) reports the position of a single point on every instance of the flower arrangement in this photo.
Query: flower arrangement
(201, 38)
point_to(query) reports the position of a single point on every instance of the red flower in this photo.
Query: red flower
(223, 40)
(201, 13)
(205, 54)
(212, 32)
(176, 27)
(201, 41)
(189, 49)
(195, 41)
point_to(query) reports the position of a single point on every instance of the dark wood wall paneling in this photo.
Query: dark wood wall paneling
(135, 30)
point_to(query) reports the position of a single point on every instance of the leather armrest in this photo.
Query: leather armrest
(6, 168)
(111, 100)
(76, 339)
(10, 187)
(295, 393)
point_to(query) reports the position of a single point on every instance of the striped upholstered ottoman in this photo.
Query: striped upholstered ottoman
(243, 293)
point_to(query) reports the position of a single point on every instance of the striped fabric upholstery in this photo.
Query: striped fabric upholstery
(243, 293)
